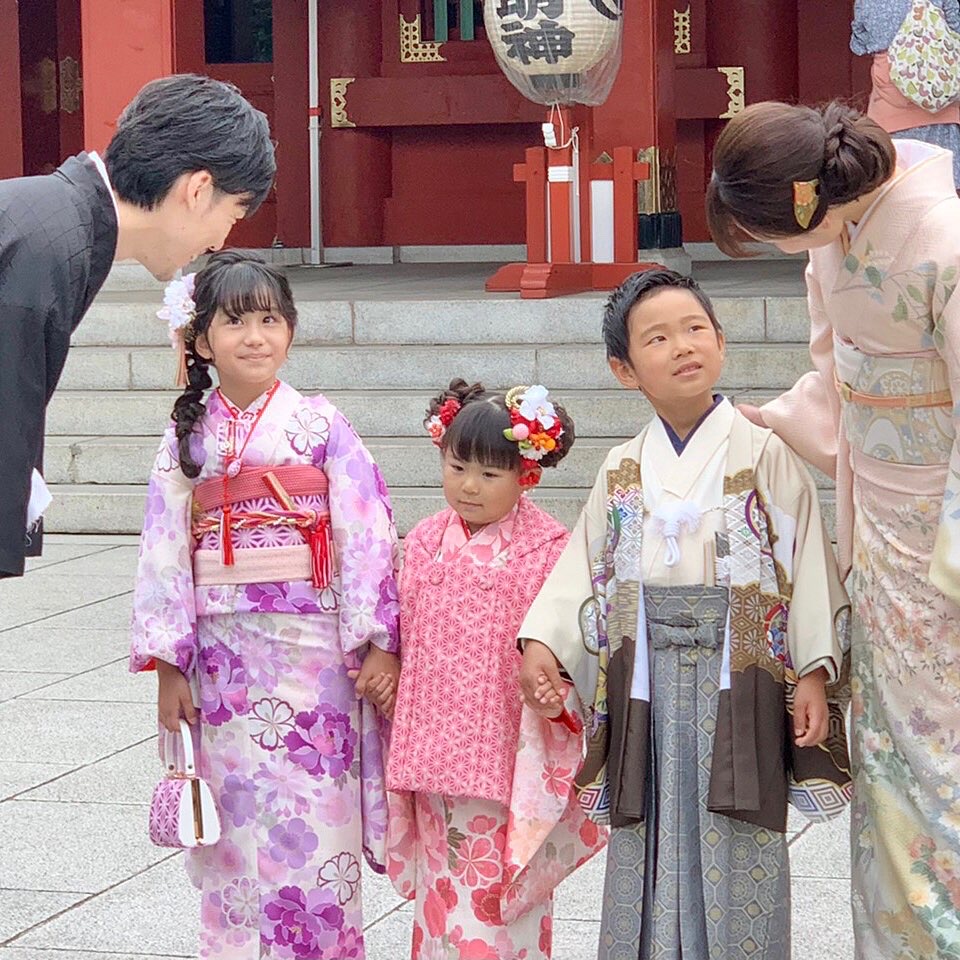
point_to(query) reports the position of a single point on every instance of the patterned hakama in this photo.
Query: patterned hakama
(708, 887)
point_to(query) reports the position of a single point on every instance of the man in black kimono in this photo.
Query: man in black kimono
(189, 158)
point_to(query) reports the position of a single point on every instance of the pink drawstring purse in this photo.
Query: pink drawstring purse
(182, 811)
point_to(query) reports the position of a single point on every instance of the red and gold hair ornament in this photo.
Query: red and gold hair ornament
(437, 425)
(535, 428)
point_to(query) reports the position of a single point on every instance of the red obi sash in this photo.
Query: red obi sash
(282, 484)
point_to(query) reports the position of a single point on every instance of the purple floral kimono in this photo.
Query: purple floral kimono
(292, 756)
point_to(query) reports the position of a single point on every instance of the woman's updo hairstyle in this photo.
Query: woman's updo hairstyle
(766, 149)
(236, 283)
(476, 432)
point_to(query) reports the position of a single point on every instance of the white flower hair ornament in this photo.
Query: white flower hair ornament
(179, 310)
(534, 405)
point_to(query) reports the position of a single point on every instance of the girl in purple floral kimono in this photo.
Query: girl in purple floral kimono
(267, 582)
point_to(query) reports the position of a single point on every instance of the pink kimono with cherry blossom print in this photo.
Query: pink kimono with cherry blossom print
(293, 758)
(480, 832)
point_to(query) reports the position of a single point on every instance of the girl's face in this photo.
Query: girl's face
(479, 494)
(247, 351)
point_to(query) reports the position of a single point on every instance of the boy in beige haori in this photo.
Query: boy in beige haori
(697, 611)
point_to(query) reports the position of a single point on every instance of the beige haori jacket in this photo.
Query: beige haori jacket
(787, 612)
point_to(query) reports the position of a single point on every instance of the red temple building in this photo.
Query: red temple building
(420, 131)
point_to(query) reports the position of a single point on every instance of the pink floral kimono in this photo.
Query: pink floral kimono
(478, 785)
(293, 758)
(882, 406)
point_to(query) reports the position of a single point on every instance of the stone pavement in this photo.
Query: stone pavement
(78, 877)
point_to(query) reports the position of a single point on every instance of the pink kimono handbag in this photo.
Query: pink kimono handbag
(182, 811)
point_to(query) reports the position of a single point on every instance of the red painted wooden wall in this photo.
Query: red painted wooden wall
(11, 143)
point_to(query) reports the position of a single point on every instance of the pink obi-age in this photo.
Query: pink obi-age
(457, 717)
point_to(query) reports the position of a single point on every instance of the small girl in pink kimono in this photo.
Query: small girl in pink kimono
(477, 869)
(267, 577)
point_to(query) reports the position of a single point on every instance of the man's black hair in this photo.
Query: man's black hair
(633, 290)
(185, 123)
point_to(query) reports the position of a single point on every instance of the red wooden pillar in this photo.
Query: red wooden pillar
(291, 89)
(11, 143)
(626, 173)
(126, 43)
(534, 174)
(639, 110)
(355, 164)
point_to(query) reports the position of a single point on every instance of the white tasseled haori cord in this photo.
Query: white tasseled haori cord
(669, 520)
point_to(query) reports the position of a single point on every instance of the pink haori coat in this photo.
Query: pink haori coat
(483, 823)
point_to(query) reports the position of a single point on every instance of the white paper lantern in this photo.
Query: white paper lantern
(557, 51)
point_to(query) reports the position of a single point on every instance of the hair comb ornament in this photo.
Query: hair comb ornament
(806, 199)
(179, 310)
(535, 428)
(437, 425)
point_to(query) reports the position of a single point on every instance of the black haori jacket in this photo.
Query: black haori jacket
(58, 234)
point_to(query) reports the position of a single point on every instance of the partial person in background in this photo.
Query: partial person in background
(880, 28)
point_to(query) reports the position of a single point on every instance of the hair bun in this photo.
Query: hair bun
(458, 390)
(854, 159)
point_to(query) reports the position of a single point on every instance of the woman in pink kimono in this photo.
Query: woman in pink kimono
(267, 582)
(482, 884)
(882, 226)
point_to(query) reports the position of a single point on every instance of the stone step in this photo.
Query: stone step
(374, 413)
(130, 319)
(118, 508)
(405, 462)
(568, 367)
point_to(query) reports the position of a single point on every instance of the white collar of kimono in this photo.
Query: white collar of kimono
(910, 153)
(707, 449)
(679, 488)
(679, 474)
(102, 169)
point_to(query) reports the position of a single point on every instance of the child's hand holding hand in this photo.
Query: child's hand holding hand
(377, 679)
(810, 714)
(173, 698)
(543, 689)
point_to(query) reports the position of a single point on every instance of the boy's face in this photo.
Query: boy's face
(675, 352)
